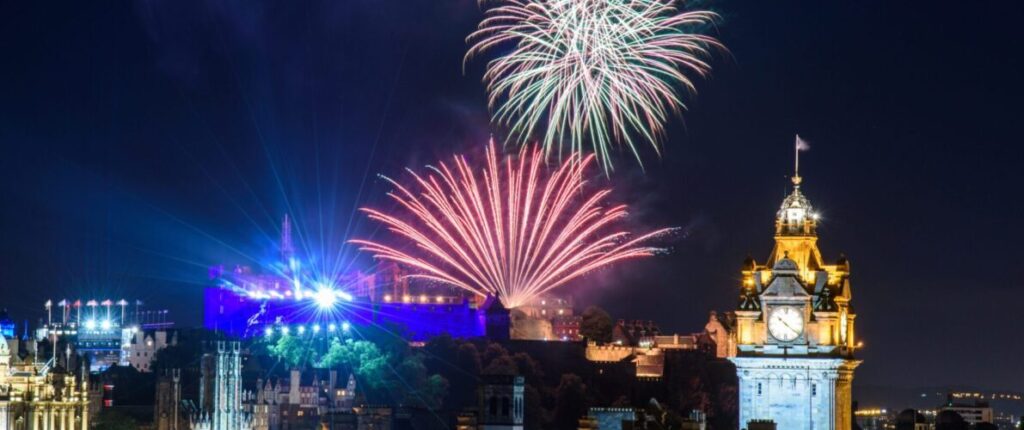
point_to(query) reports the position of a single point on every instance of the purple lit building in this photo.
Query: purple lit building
(245, 303)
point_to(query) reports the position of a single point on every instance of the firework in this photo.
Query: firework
(510, 230)
(603, 71)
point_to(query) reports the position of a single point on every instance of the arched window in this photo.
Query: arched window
(493, 409)
(505, 407)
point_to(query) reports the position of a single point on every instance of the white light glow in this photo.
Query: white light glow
(325, 298)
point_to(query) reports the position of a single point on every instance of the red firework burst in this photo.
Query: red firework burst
(511, 230)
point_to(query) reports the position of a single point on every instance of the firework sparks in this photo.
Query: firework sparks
(513, 231)
(603, 71)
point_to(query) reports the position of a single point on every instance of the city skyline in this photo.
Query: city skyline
(152, 141)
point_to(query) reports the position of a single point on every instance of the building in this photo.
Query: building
(973, 413)
(612, 418)
(501, 402)
(168, 413)
(721, 328)
(245, 302)
(102, 331)
(220, 393)
(144, 344)
(795, 331)
(40, 395)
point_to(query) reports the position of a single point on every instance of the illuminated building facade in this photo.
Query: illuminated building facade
(287, 293)
(795, 330)
(220, 393)
(100, 331)
(40, 395)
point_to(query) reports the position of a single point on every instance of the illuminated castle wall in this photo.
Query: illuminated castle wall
(244, 303)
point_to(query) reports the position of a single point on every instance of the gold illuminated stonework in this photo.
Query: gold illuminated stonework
(38, 395)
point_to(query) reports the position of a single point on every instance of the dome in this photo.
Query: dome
(796, 216)
(795, 201)
(785, 264)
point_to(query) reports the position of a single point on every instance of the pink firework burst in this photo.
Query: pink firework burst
(511, 229)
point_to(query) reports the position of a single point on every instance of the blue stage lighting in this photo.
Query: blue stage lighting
(325, 298)
(90, 324)
(345, 326)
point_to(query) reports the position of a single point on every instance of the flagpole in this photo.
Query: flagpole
(796, 147)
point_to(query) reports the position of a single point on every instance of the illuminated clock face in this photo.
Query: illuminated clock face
(842, 326)
(786, 323)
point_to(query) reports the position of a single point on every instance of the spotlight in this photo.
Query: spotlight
(268, 331)
(302, 329)
(284, 330)
(325, 298)
(331, 327)
(105, 325)
(345, 296)
(90, 324)
(345, 326)
(316, 328)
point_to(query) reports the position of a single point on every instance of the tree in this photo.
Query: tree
(596, 325)
(570, 402)
(950, 420)
(294, 351)
(363, 358)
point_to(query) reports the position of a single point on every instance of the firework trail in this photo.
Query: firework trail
(510, 230)
(603, 71)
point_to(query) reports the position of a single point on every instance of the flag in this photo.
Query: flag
(801, 145)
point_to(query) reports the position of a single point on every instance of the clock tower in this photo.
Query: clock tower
(794, 329)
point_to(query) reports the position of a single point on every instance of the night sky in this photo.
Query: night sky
(146, 141)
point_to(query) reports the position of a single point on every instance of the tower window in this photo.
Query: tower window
(758, 388)
(814, 389)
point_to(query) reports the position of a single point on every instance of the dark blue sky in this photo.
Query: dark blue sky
(145, 141)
